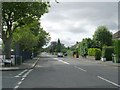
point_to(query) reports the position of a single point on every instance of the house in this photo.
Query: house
(116, 35)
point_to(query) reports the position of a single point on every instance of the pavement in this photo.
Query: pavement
(109, 63)
(28, 64)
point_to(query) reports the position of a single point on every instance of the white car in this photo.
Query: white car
(7, 62)
(11, 62)
(60, 54)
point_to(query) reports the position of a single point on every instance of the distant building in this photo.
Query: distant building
(116, 35)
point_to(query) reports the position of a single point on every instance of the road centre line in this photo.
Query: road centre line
(61, 61)
(108, 81)
(80, 68)
(64, 62)
(69, 63)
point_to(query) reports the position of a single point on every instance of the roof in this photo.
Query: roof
(116, 35)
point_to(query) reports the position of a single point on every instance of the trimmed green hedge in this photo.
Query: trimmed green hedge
(91, 52)
(117, 50)
(107, 52)
(96, 52)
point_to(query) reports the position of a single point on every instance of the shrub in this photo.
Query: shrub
(107, 52)
(91, 51)
(117, 50)
(96, 52)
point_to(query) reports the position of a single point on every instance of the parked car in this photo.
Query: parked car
(10, 62)
(7, 62)
(60, 54)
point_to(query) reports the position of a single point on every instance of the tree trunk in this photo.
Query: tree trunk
(7, 48)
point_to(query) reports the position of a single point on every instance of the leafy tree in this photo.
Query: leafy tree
(84, 45)
(44, 38)
(103, 36)
(33, 37)
(17, 14)
(26, 40)
(52, 47)
(59, 46)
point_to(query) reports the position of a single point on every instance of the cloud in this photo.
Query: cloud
(73, 21)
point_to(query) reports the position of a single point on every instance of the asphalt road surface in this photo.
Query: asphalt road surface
(53, 72)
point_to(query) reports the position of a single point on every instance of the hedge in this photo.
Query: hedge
(117, 50)
(107, 52)
(96, 52)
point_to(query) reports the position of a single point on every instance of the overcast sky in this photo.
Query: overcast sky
(73, 21)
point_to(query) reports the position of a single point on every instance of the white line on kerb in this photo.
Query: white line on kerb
(80, 68)
(108, 81)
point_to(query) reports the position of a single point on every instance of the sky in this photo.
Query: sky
(73, 21)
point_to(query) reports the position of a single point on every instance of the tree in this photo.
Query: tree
(32, 39)
(84, 45)
(58, 46)
(103, 36)
(26, 40)
(17, 14)
(52, 47)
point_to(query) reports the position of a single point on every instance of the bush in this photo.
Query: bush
(117, 50)
(91, 51)
(107, 52)
(96, 52)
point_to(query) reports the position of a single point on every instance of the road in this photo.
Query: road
(53, 72)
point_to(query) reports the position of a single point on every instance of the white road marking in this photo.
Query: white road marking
(64, 62)
(19, 82)
(26, 74)
(80, 68)
(16, 87)
(22, 79)
(108, 81)
(61, 61)
(55, 58)
(21, 73)
(17, 76)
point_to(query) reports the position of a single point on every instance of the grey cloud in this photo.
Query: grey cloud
(78, 30)
(93, 12)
